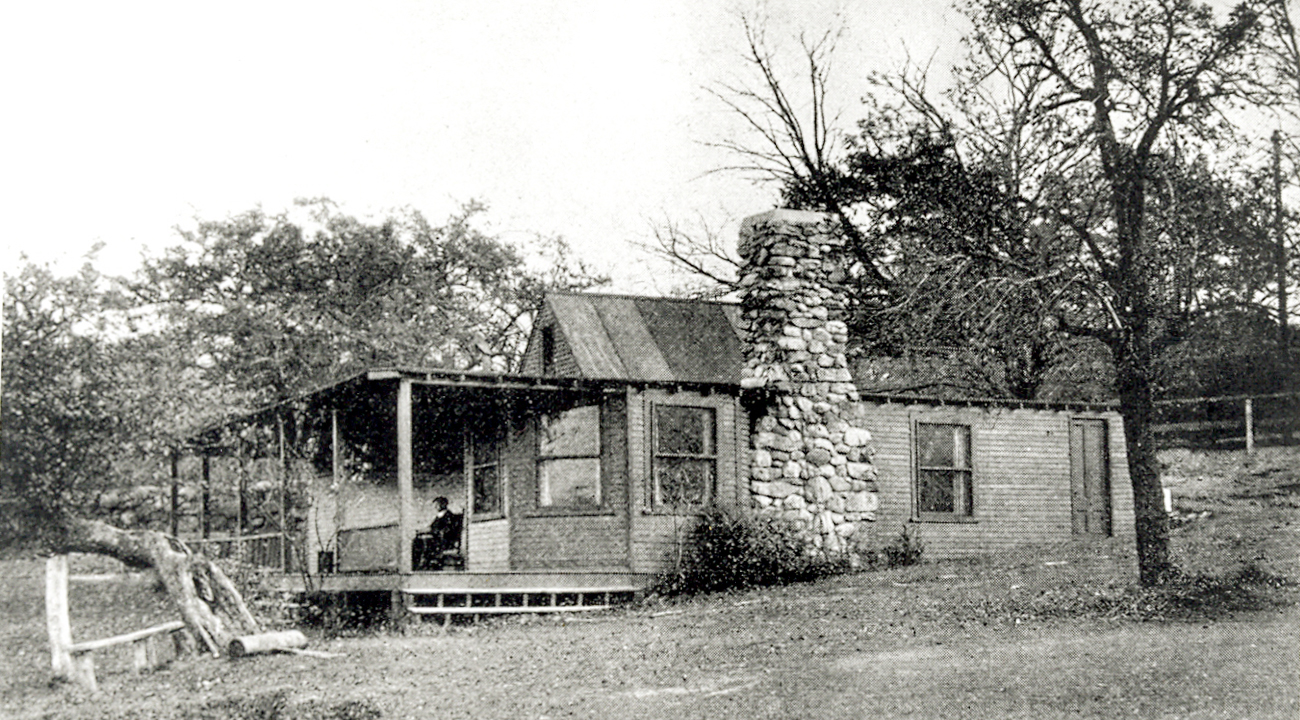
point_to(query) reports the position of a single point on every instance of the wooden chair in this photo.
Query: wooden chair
(434, 551)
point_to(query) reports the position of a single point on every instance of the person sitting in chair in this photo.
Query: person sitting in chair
(445, 528)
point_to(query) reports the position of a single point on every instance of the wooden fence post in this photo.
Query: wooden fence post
(175, 497)
(1250, 428)
(56, 614)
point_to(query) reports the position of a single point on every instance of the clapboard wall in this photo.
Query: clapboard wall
(1020, 475)
(548, 538)
(654, 534)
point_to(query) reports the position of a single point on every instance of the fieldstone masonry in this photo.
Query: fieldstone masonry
(810, 454)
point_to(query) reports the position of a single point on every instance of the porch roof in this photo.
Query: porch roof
(476, 382)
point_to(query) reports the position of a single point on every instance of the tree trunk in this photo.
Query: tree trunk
(1134, 355)
(1151, 522)
(209, 603)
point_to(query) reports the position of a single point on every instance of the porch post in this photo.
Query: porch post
(339, 482)
(405, 483)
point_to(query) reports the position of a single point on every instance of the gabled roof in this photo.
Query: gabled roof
(650, 339)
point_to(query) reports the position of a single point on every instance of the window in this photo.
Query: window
(548, 350)
(943, 472)
(485, 468)
(568, 458)
(685, 457)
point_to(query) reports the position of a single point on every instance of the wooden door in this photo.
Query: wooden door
(1089, 477)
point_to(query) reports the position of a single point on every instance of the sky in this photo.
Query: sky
(588, 120)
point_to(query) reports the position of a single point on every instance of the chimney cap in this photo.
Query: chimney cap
(797, 217)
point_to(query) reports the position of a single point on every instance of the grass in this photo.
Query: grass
(1056, 632)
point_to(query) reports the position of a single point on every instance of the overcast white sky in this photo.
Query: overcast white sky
(583, 119)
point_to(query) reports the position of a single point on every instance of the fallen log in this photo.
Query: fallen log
(286, 640)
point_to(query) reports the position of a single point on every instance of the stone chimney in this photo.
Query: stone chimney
(811, 457)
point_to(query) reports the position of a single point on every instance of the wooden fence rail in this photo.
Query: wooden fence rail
(1228, 420)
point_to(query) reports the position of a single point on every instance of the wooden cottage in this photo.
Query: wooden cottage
(575, 479)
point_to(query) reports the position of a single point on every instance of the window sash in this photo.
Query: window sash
(486, 487)
(684, 463)
(943, 486)
(569, 459)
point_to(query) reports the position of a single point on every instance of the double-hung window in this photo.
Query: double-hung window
(568, 459)
(943, 488)
(685, 457)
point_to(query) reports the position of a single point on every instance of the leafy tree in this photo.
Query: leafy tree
(244, 311)
(272, 305)
(64, 425)
(59, 426)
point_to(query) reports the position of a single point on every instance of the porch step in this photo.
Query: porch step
(477, 601)
(502, 610)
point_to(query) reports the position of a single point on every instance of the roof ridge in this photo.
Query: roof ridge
(630, 296)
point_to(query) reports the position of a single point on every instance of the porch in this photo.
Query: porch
(362, 467)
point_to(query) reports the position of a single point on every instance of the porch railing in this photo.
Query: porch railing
(264, 550)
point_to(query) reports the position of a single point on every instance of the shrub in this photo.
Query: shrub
(276, 705)
(729, 549)
(903, 550)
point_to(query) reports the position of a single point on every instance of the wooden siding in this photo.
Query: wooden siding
(655, 536)
(1021, 477)
(320, 530)
(550, 539)
(565, 365)
(489, 546)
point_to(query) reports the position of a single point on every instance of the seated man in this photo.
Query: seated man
(444, 531)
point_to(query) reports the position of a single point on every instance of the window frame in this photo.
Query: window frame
(601, 507)
(548, 349)
(653, 503)
(966, 512)
(472, 466)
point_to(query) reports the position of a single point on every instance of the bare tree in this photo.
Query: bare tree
(702, 252)
(1076, 110)
(1138, 74)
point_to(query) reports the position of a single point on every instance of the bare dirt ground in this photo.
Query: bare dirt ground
(1057, 632)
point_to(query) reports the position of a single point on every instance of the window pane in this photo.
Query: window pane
(961, 447)
(485, 451)
(683, 430)
(571, 433)
(934, 446)
(570, 482)
(935, 491)
(487, 491)
(965, 504)
(683, 481)
(943, 446)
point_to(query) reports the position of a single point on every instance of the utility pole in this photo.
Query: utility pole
(1280, 260)
(1279, 252)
